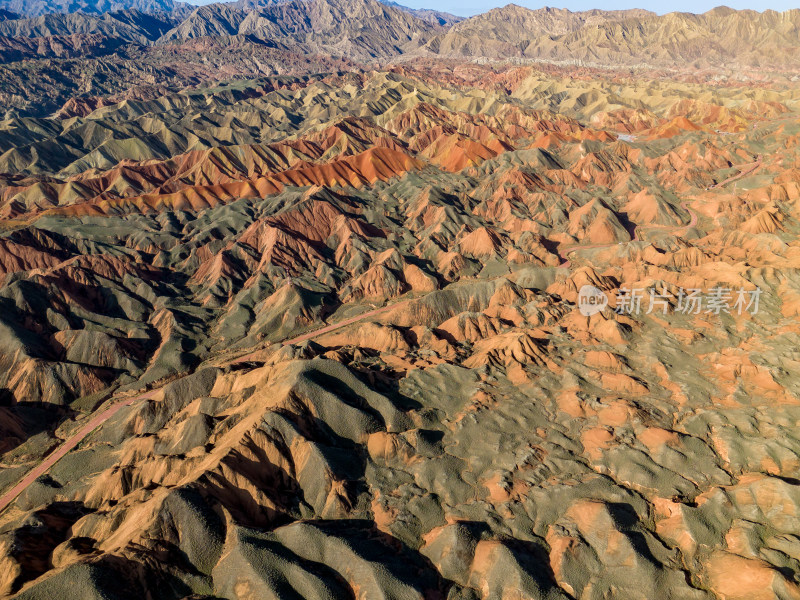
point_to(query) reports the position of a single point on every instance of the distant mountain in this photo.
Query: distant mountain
(371, 30)
(121, 27)
(35, 8)
(209, 20)
(717, 38)
(58, 46)
(434, 17)
(509, 30)
(358, 29)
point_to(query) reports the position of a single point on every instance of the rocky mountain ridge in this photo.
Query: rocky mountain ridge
(367, 30)
(35, 8)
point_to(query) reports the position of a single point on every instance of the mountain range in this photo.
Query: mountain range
(357, 29)
(367, 30)
(319, 335)
(35, 8)
(339, 299)
(95, 52)
(434, 17)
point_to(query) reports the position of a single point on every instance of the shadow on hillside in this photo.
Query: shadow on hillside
(20, 421)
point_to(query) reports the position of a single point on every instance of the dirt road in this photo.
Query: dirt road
(745, 171)
(309, 335)
(98, 419)
(66, 447)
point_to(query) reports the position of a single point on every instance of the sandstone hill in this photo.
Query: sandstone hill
(333, 321)
(292, 303)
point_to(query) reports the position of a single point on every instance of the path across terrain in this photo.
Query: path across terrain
(745, 171)
(70, 444)
(98, 419)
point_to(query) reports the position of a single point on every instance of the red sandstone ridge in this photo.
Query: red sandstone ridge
(676, 126)
(366, 168)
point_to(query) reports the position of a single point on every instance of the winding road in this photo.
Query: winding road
(101, 417)
(745, 170)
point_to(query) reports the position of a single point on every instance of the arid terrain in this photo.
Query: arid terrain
(293, 303)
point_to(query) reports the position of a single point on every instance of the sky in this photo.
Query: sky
(467, 8)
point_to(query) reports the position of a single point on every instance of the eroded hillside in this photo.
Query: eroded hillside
(319, 337)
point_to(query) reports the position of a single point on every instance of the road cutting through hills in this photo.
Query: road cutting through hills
(70, 444)
(745, 170)
(98, 419)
